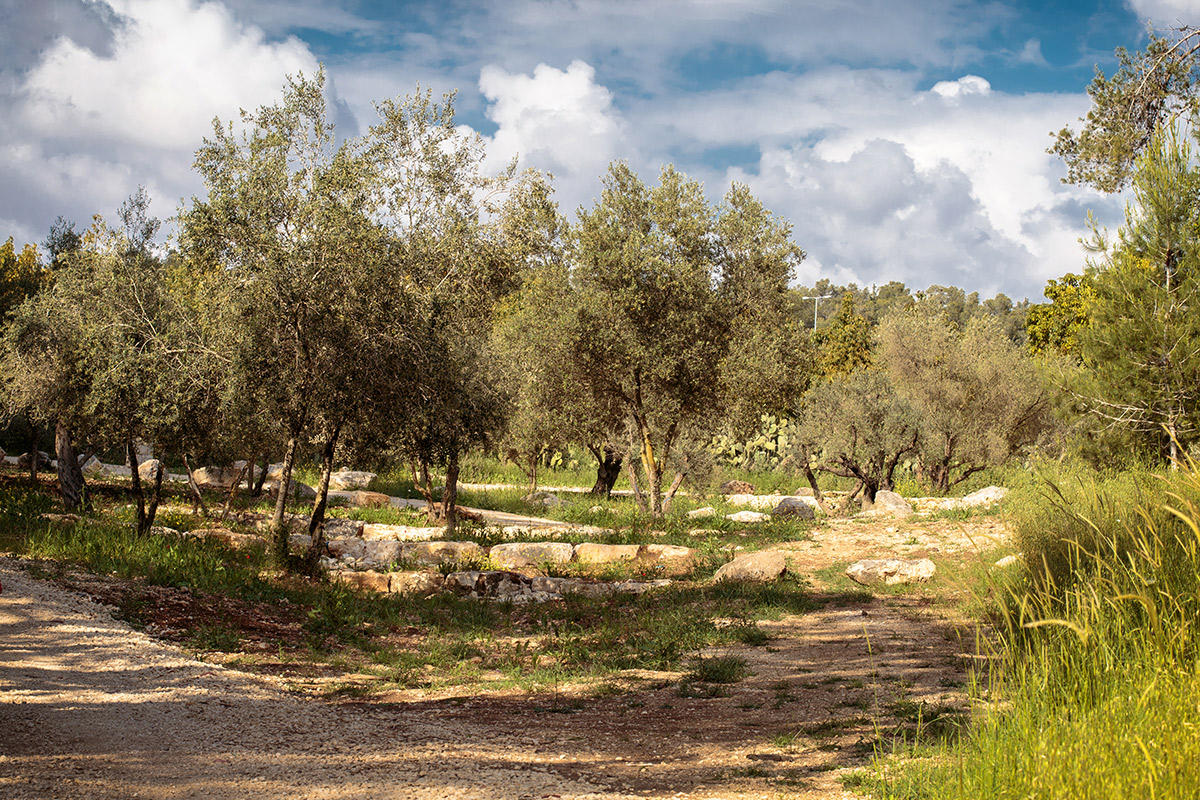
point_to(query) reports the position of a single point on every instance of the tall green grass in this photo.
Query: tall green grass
(1096, 688)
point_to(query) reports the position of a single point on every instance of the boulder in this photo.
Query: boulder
(93, 467)
(400, 533)
(422, 583)
(793, 508)
(148, 468)
(545, 499)
(299, 542)
(984, 497)
(702, 513)
(238, 541)
(639, 587)
(514, 555)
(163, 530)
(761, 567)
(746, 517)
(736, 487)
(340, 527)
(346, 480)
(891, 504)
(25, 460)
(804, 491)
(367, 579)
(890, 571)
(672, 558)
(383, 552)
(434, 553)
(594, 553)
(215, 478)
(365, 499)
(347, 549)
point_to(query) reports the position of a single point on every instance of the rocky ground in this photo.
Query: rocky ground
(92, 709)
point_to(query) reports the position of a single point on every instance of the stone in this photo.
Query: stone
(639, 587)
(736, 487)
(702, 513)
(238, 541)
(383, 552)
(890, 504)
(350, 548)
(422, 583)
(514, 555)
(65, 519)
(890, 571)
(93, 466)
(462, 582)
(434, 553)
(215, 478)
(163, 530)
(545, 499)
(746, 517)
(299, 541)
(400, 533)
(984, 497)
(804, 491)
(25, 460)
(341, 528)
(672, 558)
(763, 566)
(346, 480)
(365, 499)
(595, 553)
(793, 508)
(366, 579)
(1008, 561)
(147, 469)
(593, 590)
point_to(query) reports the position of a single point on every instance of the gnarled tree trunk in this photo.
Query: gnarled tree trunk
(70, 474)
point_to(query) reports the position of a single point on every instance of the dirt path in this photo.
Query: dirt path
(91, 709)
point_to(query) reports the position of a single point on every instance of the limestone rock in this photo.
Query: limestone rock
(546, 499)
(514, 555)
(736, 487)
(163, 530)
(215, 478)
(793, 507)
(595, 553)
(639, 587)
(804, 491)
(422, 583)
(672, 558)
(93, 467)
(984, 497)
(702, 513)
(349, 548)
(761, 567)
(237, 541)
(147, 469)
(399, 533)
(365, 499)
(25, 460)
(348, 480)
(891, 504)
(890, 571)
(340, 527)
(746, 517)
(1008, 561)
(65, 519)
(434, 553)
(366, 579)
(383, 552)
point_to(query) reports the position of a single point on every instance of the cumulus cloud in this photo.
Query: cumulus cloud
(100, 110)
(556, 120)
(952, 91)
(1166, 13)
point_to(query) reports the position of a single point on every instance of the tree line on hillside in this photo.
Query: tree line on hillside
(383, 299)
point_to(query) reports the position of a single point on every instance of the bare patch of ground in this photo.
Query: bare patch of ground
(93, 709)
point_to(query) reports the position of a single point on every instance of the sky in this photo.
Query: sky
(902, 139)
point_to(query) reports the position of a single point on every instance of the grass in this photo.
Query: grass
(1098, 677)
(401, 639)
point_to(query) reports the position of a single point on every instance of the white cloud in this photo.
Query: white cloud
(952, 91)
(86, 125)
(558, 121)
(1166, 13)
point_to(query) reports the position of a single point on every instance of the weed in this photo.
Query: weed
(719, 669)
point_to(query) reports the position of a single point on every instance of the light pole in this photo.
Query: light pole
(816, 304)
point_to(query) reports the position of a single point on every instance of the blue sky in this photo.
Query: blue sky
(903, 139)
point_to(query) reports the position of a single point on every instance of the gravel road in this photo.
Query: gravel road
(91, 709)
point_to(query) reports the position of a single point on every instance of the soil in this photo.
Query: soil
(90, 708)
